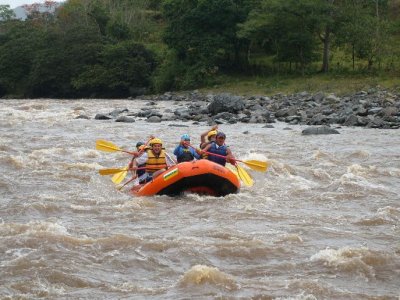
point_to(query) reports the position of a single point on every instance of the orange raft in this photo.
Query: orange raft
(200, 176)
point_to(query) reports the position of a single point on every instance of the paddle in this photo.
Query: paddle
(111, 171)
(134, 177)
(141, 168)
(119, 177)
(115, 171)
(244, 176)
(107, 146)
(139, 153)
(130, 180)
(120, 174)
(171, 160)
(256, 165)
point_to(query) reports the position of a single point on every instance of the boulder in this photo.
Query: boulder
(102, 117)
(226, 103)
(154, 119)
(125, 119)
(82, 117)
(319, 130)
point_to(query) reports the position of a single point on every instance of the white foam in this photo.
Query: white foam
(301, 296)
(32, 228)
(390, 212)
(349, 259)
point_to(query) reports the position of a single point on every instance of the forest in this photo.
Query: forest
(126, 48)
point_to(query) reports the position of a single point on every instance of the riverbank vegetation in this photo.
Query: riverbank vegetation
(339, 84)
(119, 48)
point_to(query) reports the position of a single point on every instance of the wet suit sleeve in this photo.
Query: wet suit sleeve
(195, 154)
(178, 151)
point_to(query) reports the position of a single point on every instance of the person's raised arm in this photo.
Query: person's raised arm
(130, 166)
(140, 160)
(204, 134)
(206, 148)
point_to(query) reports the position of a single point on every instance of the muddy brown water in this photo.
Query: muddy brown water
(322, 223)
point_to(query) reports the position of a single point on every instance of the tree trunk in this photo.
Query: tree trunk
(327, 41)
(325, 57)
(378, 34)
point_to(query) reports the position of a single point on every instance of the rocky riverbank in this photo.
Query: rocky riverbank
(374, 108)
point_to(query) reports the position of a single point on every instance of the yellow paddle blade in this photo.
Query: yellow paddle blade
(119, 177)
(244, 176)
(256, 165)
(111, 171)
(106, 146)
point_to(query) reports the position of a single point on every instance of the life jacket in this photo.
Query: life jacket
(221, 150)
(185, 156)
(155, 163)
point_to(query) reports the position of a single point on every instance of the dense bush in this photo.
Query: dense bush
(101, 48)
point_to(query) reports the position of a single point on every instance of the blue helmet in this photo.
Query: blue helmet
(185, 137)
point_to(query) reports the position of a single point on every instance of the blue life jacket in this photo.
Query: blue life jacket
(222, 150)
(185, 155)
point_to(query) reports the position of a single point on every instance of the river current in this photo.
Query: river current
(322, 223)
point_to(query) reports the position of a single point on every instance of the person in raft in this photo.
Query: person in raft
(210, 134)
(220, 149)
(155, 159)
(185, 152)
(140, 147)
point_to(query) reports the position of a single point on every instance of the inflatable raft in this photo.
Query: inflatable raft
(200, 176)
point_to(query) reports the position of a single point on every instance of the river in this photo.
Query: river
(321, 223)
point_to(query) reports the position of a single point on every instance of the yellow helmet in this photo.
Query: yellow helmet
(211, 133)
(155, 141)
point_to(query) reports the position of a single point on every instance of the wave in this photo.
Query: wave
(58, 233)
(321, 155)
(361, 261)
(82, 166)
(373, 171)
(201, 274)
(385, 215)
(361, 183)
(321, 174)
(33, 227)
(359, 154)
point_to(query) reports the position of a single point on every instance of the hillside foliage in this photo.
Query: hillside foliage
(122, 48)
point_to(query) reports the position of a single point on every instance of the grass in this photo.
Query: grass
(337, 84)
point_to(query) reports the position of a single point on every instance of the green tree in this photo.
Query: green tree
(17, 50)
(140, 16)
(287, 29)
(53, 68)
(6, 14)
(202, 34)
(363, 29)
(122, 70)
